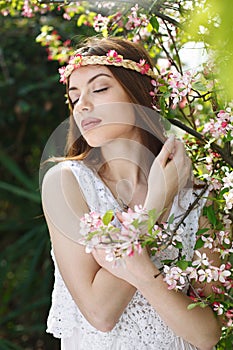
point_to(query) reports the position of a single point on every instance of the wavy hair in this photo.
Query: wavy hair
(136, 85)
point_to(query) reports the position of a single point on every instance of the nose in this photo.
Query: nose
(84, 104)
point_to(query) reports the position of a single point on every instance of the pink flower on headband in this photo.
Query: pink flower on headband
(144, 67)
(62, 74)
(113, 56)
(74, 63)
(76, 60)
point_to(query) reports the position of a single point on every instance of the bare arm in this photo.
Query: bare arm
(198, 326)
(100, 296)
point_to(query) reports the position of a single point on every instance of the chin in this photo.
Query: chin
(96, 141)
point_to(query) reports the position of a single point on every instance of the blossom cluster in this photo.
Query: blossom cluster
(29, 9)
(174, 85)
(56, 48)
(135, 20)
(139, 229)
(228, 195)
(100, 23)
(221, 125)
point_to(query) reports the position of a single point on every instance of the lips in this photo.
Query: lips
(90, 123)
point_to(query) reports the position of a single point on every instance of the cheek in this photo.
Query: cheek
(120, 113)
(77, 119)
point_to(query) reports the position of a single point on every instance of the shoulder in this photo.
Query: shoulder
(63, 172)
(60, 186)
(62, 168)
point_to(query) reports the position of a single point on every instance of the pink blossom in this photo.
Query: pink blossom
(228, 180)
(5, 12)
(136, 19)
(192, 273)
(223, 273)
(135, 247)
(66, 16)
(143, 66)
(229, 315)
(229, 199)
(223, 237)
(61, 71)
(205, 275)
(228, 285)
(208, 242)
(217, 290)
(220, 125)
(202, 259)
(100, 23)
(227, 222)
(27, 10)
(113, 56)
(174, 277)
(218, 308)
(180, 86)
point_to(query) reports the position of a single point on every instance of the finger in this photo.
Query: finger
(180, 156)
(183, 165)
(167, 150)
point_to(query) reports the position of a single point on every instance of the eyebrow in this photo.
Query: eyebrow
(91, 80)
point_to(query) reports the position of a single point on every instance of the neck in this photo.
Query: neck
(125, 159)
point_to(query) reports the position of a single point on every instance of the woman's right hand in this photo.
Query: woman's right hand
(169, 173)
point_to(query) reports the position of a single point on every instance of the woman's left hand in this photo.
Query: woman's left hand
(131, 268)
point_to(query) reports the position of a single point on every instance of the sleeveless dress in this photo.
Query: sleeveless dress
(140, 326)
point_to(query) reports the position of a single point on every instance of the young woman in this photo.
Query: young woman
(118, 156)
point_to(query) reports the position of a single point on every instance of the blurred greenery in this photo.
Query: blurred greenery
(32, 105)
(212, 23)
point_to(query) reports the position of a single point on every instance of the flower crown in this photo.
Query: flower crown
(111, 58)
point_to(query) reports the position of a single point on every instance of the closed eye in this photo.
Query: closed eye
(101, 90)
(75, 101)
(95, 91)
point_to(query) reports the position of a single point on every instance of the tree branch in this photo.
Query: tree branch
(223, 152)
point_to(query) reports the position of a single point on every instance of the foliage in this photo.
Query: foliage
(196, 101)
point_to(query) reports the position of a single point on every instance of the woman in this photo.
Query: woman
(118, 160)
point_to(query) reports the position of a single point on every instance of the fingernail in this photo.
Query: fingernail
(171, 156)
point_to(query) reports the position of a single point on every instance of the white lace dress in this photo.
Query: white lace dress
(140, 326)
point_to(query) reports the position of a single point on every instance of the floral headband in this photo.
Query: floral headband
(111, 58)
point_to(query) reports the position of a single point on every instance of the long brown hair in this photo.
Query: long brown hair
(136, 85)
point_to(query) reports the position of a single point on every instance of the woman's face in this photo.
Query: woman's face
(101, 107)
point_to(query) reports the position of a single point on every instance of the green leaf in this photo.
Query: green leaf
(225, 190)
(178, 245)
(211, 215)
(163, 89)
(171, 219)
(81, 20)
(162, 103)
(203, 305)
(14, 169)
(182, 264)
(199, 86)
(154, 22)
(167, 262)
(108, 216)
(201, 231)
(151, 220)
(199, 244)
(192, 306)
(35, 197)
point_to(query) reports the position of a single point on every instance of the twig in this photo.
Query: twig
(227, 157)
(187, 212)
